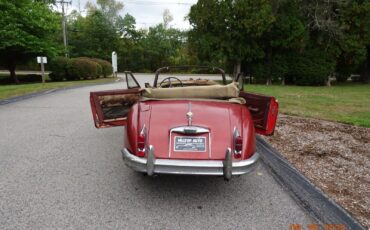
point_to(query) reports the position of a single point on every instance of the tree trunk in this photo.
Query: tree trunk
(365, 75)
(268, 81)
(269, 64)
(328, 82)
(237, 67)
(11, 68)
(283, 81)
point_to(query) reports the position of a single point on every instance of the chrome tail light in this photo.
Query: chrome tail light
(141, 142)
(237, 144)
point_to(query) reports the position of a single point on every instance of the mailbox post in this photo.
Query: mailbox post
(114, 63)
(42, 61)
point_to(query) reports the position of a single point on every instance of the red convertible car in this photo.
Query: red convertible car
(191, 127)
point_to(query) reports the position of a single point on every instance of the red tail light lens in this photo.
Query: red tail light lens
(238, 147)
(141, 145)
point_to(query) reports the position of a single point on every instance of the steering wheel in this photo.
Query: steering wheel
(170, 82)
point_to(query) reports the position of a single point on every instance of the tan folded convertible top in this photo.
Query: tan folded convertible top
(221, 93)
(207, 92)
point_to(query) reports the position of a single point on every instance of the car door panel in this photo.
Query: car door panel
(110, 108)
(264, 111)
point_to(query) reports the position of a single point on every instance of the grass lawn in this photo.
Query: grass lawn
(12, 90)
(347, 103)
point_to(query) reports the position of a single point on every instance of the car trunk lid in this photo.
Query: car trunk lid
(188, 129)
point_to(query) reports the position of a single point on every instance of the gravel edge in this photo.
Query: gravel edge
(311, 198)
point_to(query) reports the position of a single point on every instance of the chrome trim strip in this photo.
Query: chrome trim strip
(190, 130)
(189, 167)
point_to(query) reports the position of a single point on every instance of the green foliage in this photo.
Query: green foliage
(27, 29)
(229, 30)
(58, 68)
(106, 67)
(311, 68)
(354, 44)
(82, 68)
(280, 67)
(30, 78)
(92, 36)
(300, 41)
(341, 77)
(260, 72)
(25, 78)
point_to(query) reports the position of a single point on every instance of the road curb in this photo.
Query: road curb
(45, 92)
(316, 202)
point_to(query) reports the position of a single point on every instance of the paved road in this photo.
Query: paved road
(58, 171)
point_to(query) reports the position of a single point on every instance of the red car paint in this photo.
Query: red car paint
(258, 115)
(221, 118)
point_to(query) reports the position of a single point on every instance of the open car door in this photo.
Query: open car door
(110, 108)
(264, 111)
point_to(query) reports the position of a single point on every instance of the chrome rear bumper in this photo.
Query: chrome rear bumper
(225, 168)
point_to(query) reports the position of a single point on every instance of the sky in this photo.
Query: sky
(149, 12)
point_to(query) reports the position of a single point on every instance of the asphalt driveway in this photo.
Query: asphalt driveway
(58, 171)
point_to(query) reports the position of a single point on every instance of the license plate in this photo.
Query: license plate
(190, 144)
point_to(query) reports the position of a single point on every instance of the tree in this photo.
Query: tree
(127, 27)
(93, 36)
(27, 29)
(109, 8)
(229, 30)
(287, 35)
(355, 43)
(167, 17)
(160, 45)
(340, 28)
(98, 34)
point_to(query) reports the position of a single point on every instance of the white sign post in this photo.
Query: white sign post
(42, 61)
(114, 63)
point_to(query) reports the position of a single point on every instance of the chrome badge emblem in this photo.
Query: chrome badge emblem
(189, 115)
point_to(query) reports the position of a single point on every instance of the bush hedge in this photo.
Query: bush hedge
(79, 68)
(22, 78)
(107, 69)
(82, 68)
(311, 68)
(58, 68)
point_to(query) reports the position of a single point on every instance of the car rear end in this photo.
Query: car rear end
(192, 137)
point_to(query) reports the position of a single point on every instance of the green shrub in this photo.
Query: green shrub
(279, 67)
(82, 68)
(106, 67)
(311, 68)
(99, 70)
(344, 70)
(260, 72)
(341, 77)
(30, 78)
(58, 68)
